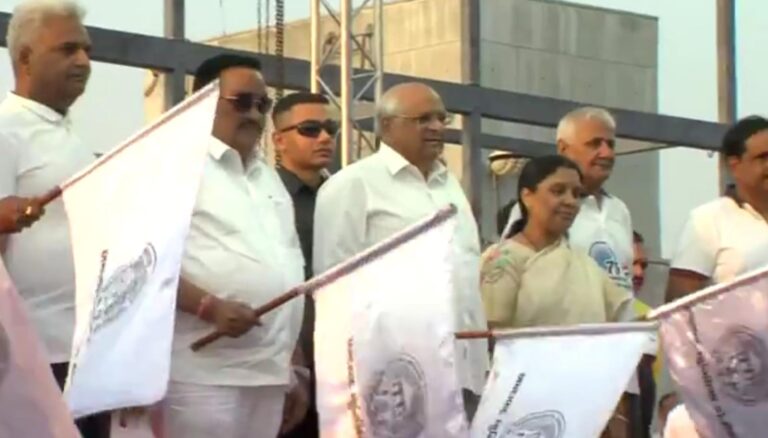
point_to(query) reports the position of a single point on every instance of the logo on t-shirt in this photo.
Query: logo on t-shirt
(606, 258)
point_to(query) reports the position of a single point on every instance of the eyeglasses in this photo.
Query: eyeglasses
(244, 102)
(425, 119)
(313, 128)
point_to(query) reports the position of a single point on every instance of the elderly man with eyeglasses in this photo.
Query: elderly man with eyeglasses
(242, 251)
(402, 183)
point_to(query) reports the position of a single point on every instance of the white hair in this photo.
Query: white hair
(387, 106)
(30, 15)
(567, 124)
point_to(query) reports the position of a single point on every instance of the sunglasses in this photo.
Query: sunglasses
(313, 128)
(244, 102)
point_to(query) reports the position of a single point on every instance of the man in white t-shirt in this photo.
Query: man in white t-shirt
(242, 251)
(726, 237)
(49, 49)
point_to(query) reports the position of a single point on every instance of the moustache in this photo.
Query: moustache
(604, 162)
(252, 124)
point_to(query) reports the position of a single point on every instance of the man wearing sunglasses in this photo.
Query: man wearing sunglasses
(402, 183)
(304, 139)
(242, 251)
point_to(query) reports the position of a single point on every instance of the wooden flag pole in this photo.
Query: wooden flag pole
(343, 269)
(579, 329)
(258, 313)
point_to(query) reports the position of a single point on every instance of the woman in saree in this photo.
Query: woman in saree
(533, 277)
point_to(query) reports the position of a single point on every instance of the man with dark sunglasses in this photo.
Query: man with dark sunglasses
(304, 139)
(242, 250)
(402, 183)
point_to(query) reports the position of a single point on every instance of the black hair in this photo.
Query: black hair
(637, 237)
(502, 216)
(288, 102)
(210, 69)
(735, 139)
(534, 172)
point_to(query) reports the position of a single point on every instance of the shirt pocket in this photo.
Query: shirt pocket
(283, 221)
(383, 224)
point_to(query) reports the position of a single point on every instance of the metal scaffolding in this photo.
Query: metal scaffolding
(327, 48)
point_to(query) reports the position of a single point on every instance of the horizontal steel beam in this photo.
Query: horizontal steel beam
(167, 55)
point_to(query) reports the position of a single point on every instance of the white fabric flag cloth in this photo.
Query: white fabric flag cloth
(384, 339)
(31, 404)
(716, 344)
(129, 216)
(558, 382)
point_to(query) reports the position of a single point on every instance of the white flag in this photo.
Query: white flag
(384, 339)
(31, 404)
(716, 343)
(129, 215)
(558, 382)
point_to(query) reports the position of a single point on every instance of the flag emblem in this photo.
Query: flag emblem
(397, 400)
(741, 361)
(546, 424)
(115, 296)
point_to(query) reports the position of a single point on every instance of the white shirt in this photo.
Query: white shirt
(604, 232)
(383, 194)
(39, 151)
(722, 240)
(242, 246)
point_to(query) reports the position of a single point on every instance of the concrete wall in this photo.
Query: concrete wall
(584, 54)
(422, 38)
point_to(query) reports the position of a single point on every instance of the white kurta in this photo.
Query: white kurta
(383, 194)
(242, 246)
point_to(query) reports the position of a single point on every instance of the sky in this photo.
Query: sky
(687, 75)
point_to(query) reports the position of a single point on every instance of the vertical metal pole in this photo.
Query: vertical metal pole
(174, 28)
(472, 161)
(726, 73)
(726, 57)
(315, 42)
(346, 82)
(472, 124)
(378, 46)
(471, 41)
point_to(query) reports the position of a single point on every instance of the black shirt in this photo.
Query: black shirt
(304, 211)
